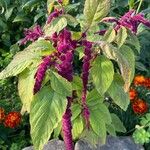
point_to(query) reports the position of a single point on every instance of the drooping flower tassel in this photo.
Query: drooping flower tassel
(85, 75)
(40, 74)
(32, 34)
(67, 127)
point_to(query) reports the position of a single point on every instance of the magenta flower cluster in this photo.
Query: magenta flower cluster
(32, 34)
(130, 20)
(85, 74)
(65, 46)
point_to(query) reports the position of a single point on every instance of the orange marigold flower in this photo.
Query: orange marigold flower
(12, 120)
(2, 114)
(139, 80)
(132, 94)
(147, 82)
(140, 107)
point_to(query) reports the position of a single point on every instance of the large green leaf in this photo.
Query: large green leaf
(25, 88)
(55, 26)
(77, 127)
(94, 98)
(128, 54)
(24, 58)
(117, 93)
(98, 125)
(121, 36)
(60, 84)
(46, 112)
(113, 53)
(101, 111)
(102, 73)
(20, 61)
(94, 11)
(116, 122)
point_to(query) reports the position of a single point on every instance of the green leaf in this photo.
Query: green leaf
(111, 129)
(71, 20)
(118, 94)
(9, 12)
(46, 112)
(102, 73)
(25, 88)
(60, 84)
(20, 61)
(121, 36)
(128, 54)
(55, 26)
(80, 51)
(76, 111)
(77, 83)
(131, 4)
(98, 125)
(21, 17)
(94, 11)
(65, 2)
(110, 35)
(77, 127)
(116, 122)
(113, 53)
(42, 47)
(133, 40)
(101, 111)
(94, 98)
(24, 58)
(30, 4)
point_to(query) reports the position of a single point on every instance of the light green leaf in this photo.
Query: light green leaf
(118, 94)
(20, 61)
(65, 2)
(98, 125)
(71, 20)
(121, 36)
(76, 111)
(80, 51)
(24, 58)
(94, 11)
(110, 35)
(94, 98)
(55, 26)
(25, 88)
(101, 111)
(9, 12)
(133, 40)
(77, 127)
(77, 83)
(102, 73)
(116, 122)
(60, 84)
(128, 54)
(113, 53)
(111, 129)
(46, 112)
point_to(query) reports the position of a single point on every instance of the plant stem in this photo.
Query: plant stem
(139, 6)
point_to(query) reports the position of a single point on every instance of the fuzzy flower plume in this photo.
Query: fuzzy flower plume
(85, 75)
(130, 20)
(47, 62)
(67, 127)
(32, 34)
(65, 47)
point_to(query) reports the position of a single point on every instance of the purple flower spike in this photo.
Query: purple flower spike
(40, 74)
(130, 20)
(31, 34)
(67, 127)
(85, 74)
